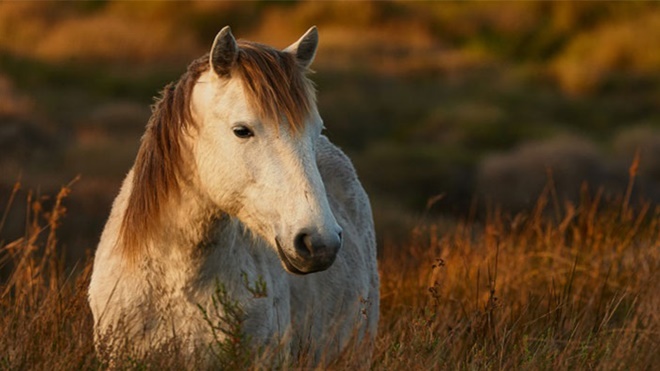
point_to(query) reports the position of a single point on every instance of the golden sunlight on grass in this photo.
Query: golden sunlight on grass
(562, 286)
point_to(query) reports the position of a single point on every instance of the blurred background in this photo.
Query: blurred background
(447, 110)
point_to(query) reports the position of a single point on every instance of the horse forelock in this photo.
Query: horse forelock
(276, 88)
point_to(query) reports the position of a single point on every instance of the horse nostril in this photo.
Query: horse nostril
(303, 244)
(314, 251)
(309, 245)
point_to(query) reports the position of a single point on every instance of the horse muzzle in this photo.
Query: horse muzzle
(311, 252)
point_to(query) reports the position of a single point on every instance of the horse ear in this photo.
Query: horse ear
(223, 52)
(305, 48)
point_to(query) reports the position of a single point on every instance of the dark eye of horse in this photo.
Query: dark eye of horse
(242, 132)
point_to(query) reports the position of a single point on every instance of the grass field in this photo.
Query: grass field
(490, 114)
(561, 286)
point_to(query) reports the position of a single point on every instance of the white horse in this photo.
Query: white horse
(235, 185)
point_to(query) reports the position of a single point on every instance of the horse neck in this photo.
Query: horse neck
(188, 221)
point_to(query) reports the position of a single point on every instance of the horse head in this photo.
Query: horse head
(253, 147)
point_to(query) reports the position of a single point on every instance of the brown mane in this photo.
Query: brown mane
(277, 89)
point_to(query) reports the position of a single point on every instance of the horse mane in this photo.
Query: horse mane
(277, 88)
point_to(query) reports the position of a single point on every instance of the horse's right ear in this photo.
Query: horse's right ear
(223, 52)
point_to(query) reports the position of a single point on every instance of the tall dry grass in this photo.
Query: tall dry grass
(575, 290)
(562, 286)
(44, 317)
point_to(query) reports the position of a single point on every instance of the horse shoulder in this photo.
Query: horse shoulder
(108, 264)
(117, 290)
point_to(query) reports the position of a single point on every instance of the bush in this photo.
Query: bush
(515, 179)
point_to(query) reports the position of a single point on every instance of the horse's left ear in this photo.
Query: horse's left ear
(305, 48)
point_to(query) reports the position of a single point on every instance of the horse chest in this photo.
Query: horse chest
(251, 277)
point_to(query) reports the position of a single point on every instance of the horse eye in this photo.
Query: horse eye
(242, 132)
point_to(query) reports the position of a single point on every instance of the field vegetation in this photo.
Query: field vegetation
(495, 141)
(564, 286)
